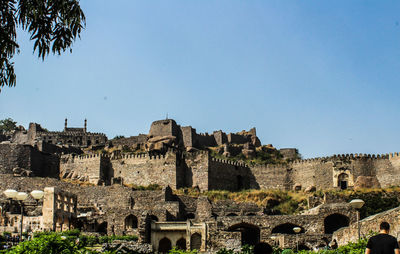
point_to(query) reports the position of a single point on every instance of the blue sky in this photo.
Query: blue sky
(316, 75)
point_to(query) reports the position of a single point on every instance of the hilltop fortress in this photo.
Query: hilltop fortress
(92, 183)
(175, 156)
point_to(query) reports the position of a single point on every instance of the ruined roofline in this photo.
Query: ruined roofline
(71, 133)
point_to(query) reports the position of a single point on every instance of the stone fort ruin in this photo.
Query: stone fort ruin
(102, 172)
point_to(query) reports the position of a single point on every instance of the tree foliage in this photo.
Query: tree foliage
(53, 25)
(7, 124)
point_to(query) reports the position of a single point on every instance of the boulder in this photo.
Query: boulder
(159, 143)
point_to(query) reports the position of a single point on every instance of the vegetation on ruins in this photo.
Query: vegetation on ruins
(53, 25)
(262, 155)
(292, 202)
(7, 124)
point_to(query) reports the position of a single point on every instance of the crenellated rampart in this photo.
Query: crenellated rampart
(146, 169)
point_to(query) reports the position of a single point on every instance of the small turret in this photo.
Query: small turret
(85, 125)
(65, 124)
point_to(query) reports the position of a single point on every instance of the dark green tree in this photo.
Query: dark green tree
(7, 125)
(53, 25)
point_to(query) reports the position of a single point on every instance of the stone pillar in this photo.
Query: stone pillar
(48, 210)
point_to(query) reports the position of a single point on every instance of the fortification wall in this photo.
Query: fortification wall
(145, 169)
(220, 137)
(86, 168)
(29, 159)
(205, 140)
(388, 170)
(228, 175)
(313, 172)
(237, 139)
(196, 167)
(188, 136)
(270, 177)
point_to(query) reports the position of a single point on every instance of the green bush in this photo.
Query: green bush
(46, 244)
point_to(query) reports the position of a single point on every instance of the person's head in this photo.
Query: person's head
(384, 226)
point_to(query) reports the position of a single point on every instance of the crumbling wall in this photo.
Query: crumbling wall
(196, 169)
(188, 136)
(220, 137)
(131, 141)
(27, 158)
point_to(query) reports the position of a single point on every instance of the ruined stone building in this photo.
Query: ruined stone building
(56, 212)
(77, 137)
(174, 157)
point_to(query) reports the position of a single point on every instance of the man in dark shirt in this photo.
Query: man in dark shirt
(383, 243)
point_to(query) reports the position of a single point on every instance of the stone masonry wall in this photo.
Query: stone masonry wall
(228, 175)
(270, 177)
(87, 168)
(145, 169)
(196, 169)
(369, 224)
(28, 158)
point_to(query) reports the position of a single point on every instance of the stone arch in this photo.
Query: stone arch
(286, 228)
(263, 248)
(131, 222)
(231, 214)
(164, 246)
(153, 217)
(343, 181)
(195, 241)
(181, 244)
(250, 234)
(335, 221)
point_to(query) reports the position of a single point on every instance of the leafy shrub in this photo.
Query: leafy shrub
(178, 251)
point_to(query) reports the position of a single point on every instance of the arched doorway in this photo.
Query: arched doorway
(102, 228)
(286, 228)
(335, 221)
(131, 222)
(164, 245)
(181, 244)
(195, 241)
(343, 180)
(231, 214)
(250, 234)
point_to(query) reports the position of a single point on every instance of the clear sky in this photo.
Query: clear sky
(321, 76)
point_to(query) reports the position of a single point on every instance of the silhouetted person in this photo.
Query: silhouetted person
(382, 243)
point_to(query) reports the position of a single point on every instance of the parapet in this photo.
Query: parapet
(356, 156)
(229, 162)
